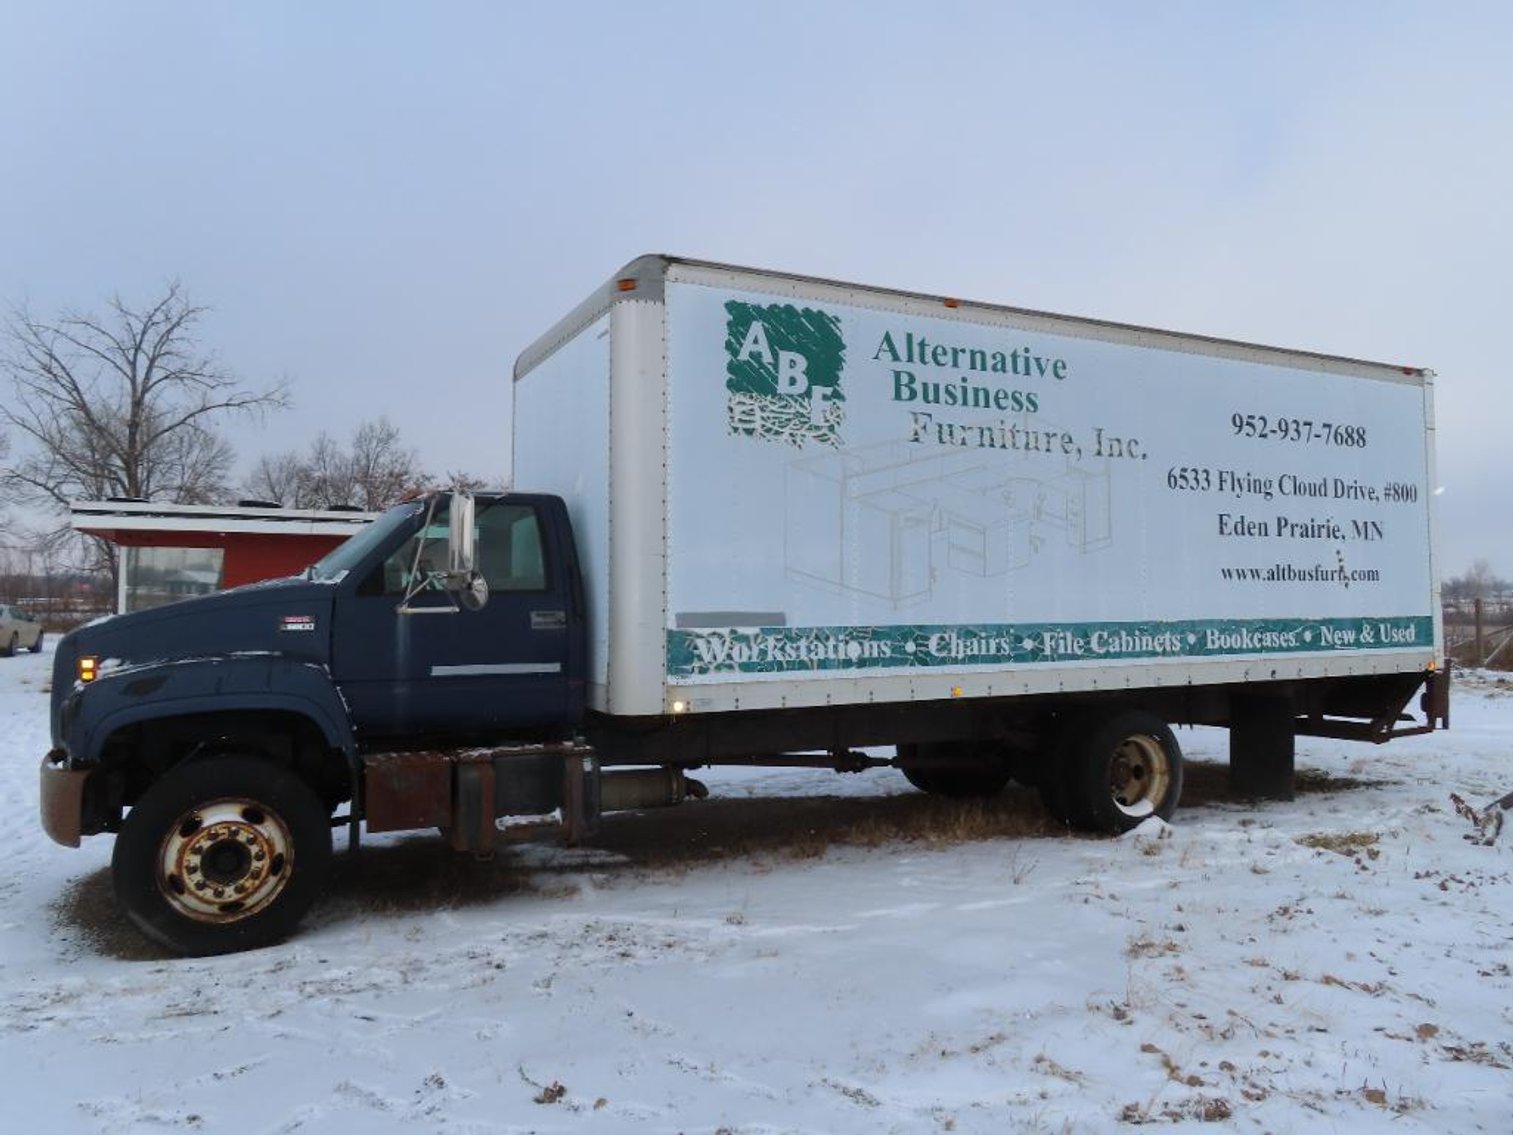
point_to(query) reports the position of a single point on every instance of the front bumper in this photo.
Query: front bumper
(62, 799)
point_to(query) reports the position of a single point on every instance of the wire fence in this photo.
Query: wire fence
(61, 603)
(1479, 633)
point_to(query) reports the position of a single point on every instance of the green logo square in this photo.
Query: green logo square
(783, 373)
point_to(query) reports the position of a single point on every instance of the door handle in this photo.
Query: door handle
(548, 620)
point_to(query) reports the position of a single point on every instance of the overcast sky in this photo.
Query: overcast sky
(384, 203)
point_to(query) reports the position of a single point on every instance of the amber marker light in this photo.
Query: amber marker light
(956, 691)
(89, 668)
(628, 284)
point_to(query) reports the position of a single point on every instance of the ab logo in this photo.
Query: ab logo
(783, 373)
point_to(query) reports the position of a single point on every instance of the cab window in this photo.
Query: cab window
(507, 547)
(508, 543)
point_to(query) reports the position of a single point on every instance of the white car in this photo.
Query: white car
(18, 629)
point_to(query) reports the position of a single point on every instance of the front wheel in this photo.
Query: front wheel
(1120, 772)
(222, 854)
(36, 647)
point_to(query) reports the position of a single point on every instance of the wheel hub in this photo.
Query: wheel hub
(1139, 775)
(225, 860)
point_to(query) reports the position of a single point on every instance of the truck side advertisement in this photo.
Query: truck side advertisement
(879, 489)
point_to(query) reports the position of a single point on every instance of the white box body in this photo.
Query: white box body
(791, 492)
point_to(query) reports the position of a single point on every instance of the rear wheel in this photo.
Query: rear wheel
(1120, 772)
(959, 770)
(222, 854)
(10, 647)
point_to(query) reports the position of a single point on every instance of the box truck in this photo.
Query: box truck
(776, 520)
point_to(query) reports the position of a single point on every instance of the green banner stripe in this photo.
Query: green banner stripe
(790, 650)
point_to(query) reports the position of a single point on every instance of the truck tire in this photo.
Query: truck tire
(968, 782)
(222, 854)
(1118, 773)
(1051, 784)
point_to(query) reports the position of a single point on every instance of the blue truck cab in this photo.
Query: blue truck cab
(217, 736)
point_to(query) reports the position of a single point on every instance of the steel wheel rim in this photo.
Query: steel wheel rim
(1139, 775)
(225, 860)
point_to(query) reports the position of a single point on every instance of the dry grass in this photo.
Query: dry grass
(1349, 844)
(1148, 946)
(806, 827)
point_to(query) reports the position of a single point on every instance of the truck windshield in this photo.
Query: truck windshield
(334, 566)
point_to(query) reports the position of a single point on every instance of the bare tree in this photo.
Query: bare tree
(1481, 582)
(327, 474)
(464, 482)
(5, 520)
(279, 478)
(382, 469)
(375, 472)
(120, 405)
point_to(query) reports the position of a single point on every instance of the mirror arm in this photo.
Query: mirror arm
(418, 581)
(462, 583)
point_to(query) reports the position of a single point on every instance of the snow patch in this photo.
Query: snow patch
(1150, 828)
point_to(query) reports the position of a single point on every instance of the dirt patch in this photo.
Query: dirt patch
(1207, 783)
(87, 918)
(419, 873)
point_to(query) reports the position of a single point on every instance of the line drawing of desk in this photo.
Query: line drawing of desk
(886, 520)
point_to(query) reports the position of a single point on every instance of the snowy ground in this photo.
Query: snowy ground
(1232, 973)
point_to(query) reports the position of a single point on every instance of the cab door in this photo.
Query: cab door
(410, 660)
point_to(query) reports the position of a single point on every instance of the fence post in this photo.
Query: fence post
(1480, 648)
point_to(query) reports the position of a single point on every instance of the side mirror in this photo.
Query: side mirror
(460, 550)
(463, 579)
(474, 591)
